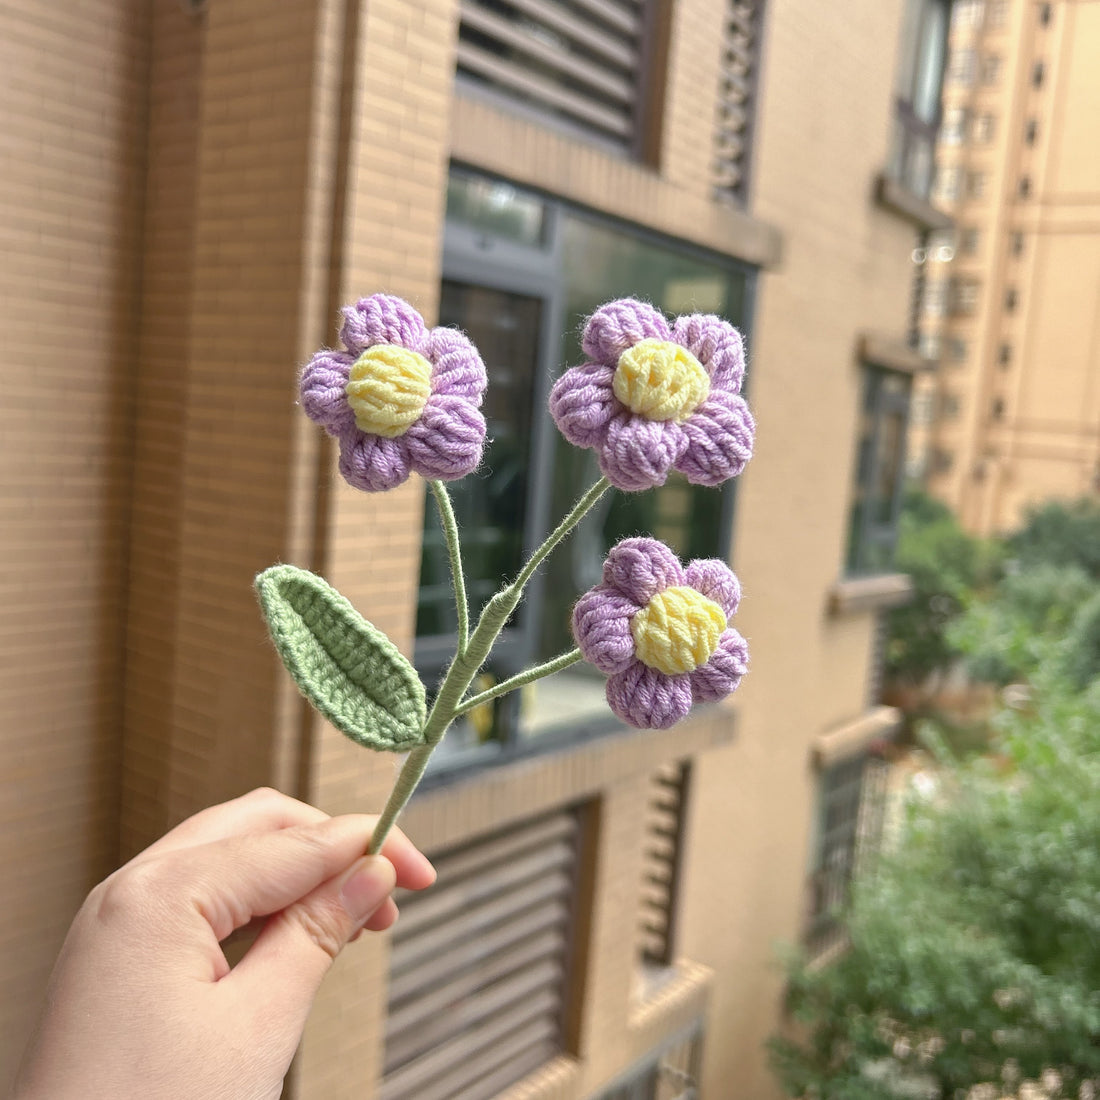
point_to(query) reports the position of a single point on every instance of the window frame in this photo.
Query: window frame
(866, 533)
(477, 257)
(823, 933)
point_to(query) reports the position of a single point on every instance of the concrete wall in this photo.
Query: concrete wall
(846, 268)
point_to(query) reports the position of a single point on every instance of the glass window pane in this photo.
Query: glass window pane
(929, 74)
(490, 505)
(601, 263)
(496, 207)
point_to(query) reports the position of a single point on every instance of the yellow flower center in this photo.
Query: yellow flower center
(388, 387)
(678, 630)
(660, 380)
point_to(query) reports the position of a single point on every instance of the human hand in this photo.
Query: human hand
(143, 1002)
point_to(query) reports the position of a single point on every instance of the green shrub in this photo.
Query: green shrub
(975, 945)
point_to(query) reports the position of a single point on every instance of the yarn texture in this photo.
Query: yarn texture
(347, 668)
(401, 398)
(661, 633)
(657, 397)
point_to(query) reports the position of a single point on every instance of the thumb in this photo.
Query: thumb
(284, 967)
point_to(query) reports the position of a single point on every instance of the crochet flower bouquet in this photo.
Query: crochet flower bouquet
(653, 397)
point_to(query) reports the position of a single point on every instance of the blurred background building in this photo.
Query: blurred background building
(1011, 309)
(190, 191)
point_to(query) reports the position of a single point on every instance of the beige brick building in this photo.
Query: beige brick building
(1013, 416)
(190, 191)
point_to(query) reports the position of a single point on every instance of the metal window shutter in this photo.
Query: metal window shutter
(663, 825)
(736, 92)
(579, 61)
(478, 965)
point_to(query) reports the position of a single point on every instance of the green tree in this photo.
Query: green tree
(945, 565)
(1007, 636)
(1061, 533)
(974, 955)
(975, 944)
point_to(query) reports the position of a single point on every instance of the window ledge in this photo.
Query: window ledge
(849, 596)
(901, 201)
(853, 737)
(555, 775)
(496, 139)
(880, 350)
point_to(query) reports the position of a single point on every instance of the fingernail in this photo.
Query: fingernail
(366, 886)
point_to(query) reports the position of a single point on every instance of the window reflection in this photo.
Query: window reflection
(575, 263)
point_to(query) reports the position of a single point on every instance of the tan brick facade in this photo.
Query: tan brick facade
(260, 165)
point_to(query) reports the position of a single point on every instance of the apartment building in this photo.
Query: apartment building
(191, 190)
(1013, 416)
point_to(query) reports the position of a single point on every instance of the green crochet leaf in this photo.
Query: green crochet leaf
(347, 668)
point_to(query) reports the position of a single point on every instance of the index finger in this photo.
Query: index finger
(260, 811)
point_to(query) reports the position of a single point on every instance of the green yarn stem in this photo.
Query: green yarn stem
(454, 552)
(466, 663)
(580, 509)
(563, 660)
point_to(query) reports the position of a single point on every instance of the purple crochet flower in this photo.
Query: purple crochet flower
(656, 397)
(401, 398)
(661, 632)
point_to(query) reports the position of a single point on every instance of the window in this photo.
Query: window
(740, 61)
(997, 409)
(958, 348)
(1004, 354)
(1031, 131)
(967, 13)
(580, 65)
(478, 966)
(949, 406)
(991, 69)
(851, 801)
(981, 129)
(941, 246)
(1017, 243)
(923, 409)
(963, 297)
(998, 13)
(880, 462)
(1038, 74)
(917, 104)
(935, 297)
(947, 182)
(520, 271)
(1045, 13)
(976, 183)
(968, 240)
(954, 125)
(1023, 188)
(663, 827)
(1011, 299)
(930, 345)
(963, 67)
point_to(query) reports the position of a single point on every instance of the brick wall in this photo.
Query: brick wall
(297, 159)
(72, 112)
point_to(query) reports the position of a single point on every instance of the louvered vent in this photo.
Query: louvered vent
(661, 868)
(736, 93)
(577, 60)
(478, 964)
